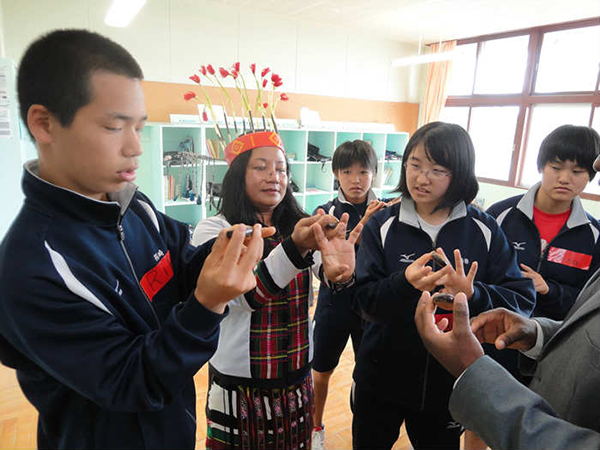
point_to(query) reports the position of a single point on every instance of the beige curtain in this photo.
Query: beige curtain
(438, 75)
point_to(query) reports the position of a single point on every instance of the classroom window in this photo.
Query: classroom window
(493, 156)
(569, 61)
(458, 115)
(510, 90)
(501, 66)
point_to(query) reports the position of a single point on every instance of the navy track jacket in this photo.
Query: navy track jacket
(392, 360)
(567, 261)
(98, 317)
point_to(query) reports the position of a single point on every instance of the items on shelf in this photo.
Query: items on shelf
(390, 155)
(314, 155)
(388, 172)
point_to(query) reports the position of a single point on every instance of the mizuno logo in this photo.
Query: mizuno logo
(519, 245)
(407, 258)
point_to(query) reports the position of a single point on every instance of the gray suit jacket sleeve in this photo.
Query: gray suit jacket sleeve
(508, 415)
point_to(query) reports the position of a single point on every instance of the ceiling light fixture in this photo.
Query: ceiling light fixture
(121, 12)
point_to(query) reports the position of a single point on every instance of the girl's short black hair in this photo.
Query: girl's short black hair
(450, 146)
(351, 152)
(237, 208)
(571, 143)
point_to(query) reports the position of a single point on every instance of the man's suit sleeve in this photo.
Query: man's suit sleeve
(508, 415)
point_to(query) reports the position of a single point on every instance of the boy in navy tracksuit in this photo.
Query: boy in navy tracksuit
(396, 380)
(557, 243)
(354, 165)
(101, 311)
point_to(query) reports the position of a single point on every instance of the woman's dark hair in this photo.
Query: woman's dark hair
(237, 208)
(351, 152)
(571, 143)
(56, 71)
(450, 146)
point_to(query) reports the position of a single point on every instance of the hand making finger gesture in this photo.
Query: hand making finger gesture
(455, 280)
(337, 252)
(540, 284)
(228, 270)
(422, 276)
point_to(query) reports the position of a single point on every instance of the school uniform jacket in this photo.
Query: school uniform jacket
(568, 260)
(98, 317)
(392, 359)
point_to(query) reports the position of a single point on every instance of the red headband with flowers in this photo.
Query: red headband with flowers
(264, 134)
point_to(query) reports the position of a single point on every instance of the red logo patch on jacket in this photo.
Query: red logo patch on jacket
(569, 258)
(155, 279)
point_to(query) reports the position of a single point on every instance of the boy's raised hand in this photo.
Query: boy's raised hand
(228, 271)
(337, 252)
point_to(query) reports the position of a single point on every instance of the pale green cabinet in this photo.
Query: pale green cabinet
(314, 180)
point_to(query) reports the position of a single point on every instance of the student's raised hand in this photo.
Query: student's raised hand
(505, 329)
(540, 284)
(228, 270)
(337, 252)
(421, 276)
(372, 208)
(393, 201)
(456, 350)
(455, 280)
(303, 235)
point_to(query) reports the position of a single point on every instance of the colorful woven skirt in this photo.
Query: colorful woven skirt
(244, 417)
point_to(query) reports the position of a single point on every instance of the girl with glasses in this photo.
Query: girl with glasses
(395, 379)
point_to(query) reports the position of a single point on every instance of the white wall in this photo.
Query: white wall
(2, 51)
(172, 38)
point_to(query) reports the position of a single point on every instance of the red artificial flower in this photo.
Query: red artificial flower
(276, 79)
(284, 97)
(210, 69)
(234, 74)
(189, 95)
(264, 71)
(203, 70)
(204, 116)
(253, 68)
(236, 66)
(195, 78)
(224, 72)
(266, 105)
(264, 83)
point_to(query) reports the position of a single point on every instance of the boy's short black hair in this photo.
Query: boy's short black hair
(351, 152)
(450, 146)
(571, 143)
(56, 70)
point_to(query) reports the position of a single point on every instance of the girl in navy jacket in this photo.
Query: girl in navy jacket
(395, 378)
(565, 252)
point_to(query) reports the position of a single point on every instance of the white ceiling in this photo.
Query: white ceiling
(429, 20)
